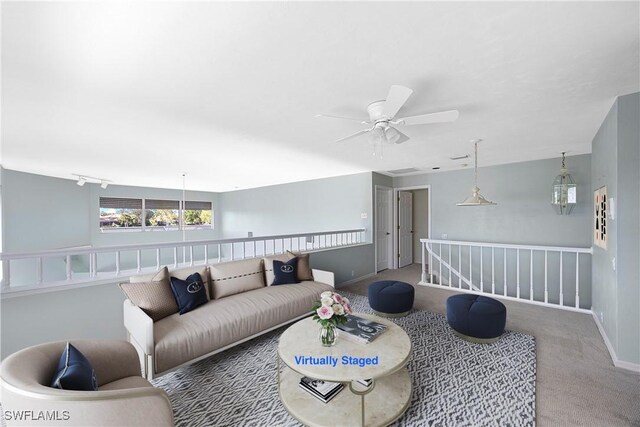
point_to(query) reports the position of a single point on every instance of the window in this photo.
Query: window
(197, 214)
(116, 212)
(162, 214)
(125, 214)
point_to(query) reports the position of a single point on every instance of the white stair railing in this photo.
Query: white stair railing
(33, 272)
(553, 276)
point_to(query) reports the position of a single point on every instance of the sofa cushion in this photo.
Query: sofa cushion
(124, 383)
(230, 278)
(224, 321)
(304, 268)
(154, 297)
(268, 266)
(285, 273)
(190, 293)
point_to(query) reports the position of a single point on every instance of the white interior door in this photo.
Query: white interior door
(384, 198)
(405, 228)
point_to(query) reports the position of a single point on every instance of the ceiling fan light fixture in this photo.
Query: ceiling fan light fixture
(476, 199)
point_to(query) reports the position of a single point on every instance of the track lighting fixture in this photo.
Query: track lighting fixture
(83, 179)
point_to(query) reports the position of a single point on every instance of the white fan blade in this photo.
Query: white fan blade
(341, 118)
(354, 135)
(423, 119)
(396, 98)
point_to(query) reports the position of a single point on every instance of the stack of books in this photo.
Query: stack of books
(361, 330)
(366, 382)
(321, 390)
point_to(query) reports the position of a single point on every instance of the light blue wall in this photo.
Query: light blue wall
(616, 295)
(523, 192)
(42, 212)
(628, 204)
(300, 207)
(604, 172)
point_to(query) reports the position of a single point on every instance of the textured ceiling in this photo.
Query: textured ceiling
(138, 92)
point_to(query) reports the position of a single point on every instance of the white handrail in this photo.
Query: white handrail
(123, 248)
(538, 289)
(93, 273)
(511, 246)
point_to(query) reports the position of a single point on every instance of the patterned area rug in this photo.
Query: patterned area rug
(455, 383)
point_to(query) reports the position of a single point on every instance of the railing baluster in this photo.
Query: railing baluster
(546, 291)
(459, 266)
(68, 267)
(139, 260)
(117, 263)
(440, 263)
(6, 273)
(206, 254)
(504, 268)
(518, 273)
(561, 296)
(191, 255)
(232, 255)
(577, 280)
(470, 269)
(493, 280)
(481, 271)
(449, 264)
(39, 270)
(175, 257)
(158, 259)
(423, 272)
(531, 276)
(430, 262)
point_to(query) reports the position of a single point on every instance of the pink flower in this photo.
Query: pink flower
(347, 308)
(325, 312)
(337, 298)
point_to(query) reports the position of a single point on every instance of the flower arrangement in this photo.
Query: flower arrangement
(331, 311)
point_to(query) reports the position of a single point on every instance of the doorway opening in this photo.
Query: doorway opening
(412, 214)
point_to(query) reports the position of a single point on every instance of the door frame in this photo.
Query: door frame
(390, 264)
(394, 233)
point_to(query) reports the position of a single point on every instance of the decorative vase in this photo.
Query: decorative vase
(328, 335)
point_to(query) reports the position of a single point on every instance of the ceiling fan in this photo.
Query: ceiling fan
(382, 117)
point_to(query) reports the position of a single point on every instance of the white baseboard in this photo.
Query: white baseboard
(357, 279)
(634, 367)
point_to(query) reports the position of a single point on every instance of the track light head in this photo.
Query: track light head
(81, 181)
(104, 184)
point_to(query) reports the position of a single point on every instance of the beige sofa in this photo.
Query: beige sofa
(123, 397)
(241, 307)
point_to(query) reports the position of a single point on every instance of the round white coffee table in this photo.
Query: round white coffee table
(380, 404)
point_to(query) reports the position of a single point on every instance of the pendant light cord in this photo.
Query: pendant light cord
(475, 165)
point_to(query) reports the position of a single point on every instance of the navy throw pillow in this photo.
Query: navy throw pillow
(285, 272)
(74, 371)
(189, 293)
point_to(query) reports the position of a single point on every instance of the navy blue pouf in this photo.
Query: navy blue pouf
(391, 298)
(476, 318)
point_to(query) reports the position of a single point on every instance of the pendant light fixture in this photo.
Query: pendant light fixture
(476, 199)
(563, 192)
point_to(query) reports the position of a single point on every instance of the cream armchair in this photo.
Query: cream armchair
(123, 398)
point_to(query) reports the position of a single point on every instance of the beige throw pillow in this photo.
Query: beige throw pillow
(154, 298)
(304, 269)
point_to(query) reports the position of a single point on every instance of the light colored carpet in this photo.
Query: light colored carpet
(577, 384)
(455, 383)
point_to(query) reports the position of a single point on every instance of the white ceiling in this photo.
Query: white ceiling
(138, 92)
